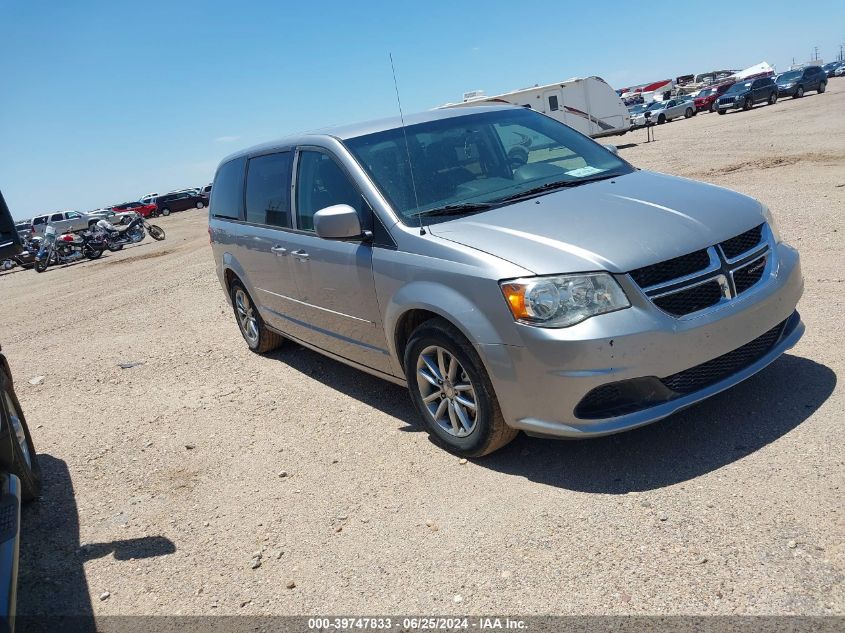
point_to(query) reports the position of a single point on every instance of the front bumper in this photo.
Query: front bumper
(734, 105)
(540, 384)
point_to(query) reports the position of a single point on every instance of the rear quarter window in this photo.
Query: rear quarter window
(227, 190)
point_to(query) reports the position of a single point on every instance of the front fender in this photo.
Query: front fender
(471, 319)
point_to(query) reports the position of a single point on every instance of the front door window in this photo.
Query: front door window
(321, 183)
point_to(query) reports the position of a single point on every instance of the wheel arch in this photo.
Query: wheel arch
(230, 272)
(420, 301)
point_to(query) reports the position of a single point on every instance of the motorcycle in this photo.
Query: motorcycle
(67, 248)
(26, 258)
(116, 238)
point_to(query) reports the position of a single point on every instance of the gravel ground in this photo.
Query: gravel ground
(209, 480)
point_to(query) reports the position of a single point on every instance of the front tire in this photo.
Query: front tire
(747, 104)
(165, 211)
(94, 253)
(16, 444)
(200, 205)
(722, 111)
(156, 232)
(689, 113)
(41, 266)
(452, 392)
(822, 87)
(661, 119)
(773, 98)
(799, 92)
(255, 332)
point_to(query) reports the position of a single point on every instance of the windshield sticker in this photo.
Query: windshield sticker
(584, 171)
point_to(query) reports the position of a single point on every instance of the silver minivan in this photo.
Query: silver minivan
(514, 274)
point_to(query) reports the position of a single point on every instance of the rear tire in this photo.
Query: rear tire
(94, 253)
(822, 87)
(488, 430)
(258, 337)
(16, 445)
(722, 111)
(689, 113)
(156, 232)
(40, 266)
(661, 119)
(773, 98)
(200, 205)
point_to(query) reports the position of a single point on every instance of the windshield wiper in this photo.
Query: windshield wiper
(551, 186)
(455, 209)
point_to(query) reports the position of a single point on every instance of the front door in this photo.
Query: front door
(336, 309)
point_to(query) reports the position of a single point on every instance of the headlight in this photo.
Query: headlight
(770, 220)
(563, 300)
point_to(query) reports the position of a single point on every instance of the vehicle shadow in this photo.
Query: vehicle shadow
(375, 392)
(694, 442)
(53, 593)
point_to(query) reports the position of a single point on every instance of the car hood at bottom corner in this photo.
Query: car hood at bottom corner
(616, 225)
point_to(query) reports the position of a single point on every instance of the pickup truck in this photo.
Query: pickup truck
(72, 221)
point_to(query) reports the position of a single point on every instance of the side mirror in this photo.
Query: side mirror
(338, 222)
(612, 149)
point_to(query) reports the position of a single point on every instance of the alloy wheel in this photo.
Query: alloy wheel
(246, 317)
(447, 391)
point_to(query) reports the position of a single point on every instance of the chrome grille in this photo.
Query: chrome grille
(742, 243)
(703, 279)
(690, 299)
(671, 269)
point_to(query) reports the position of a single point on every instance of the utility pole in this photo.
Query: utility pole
(815, 53)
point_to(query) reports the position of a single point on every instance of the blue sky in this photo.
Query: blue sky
(102, 102)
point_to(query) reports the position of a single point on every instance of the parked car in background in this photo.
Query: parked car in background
(24, 229)
(493, 288)
(145, 210)
(795, 83)
(179, 201)
(707, 97)
(662, 111)
(840, 71)
(205, 194)
(830, 69)
(745, 94)
(70, 221)
(149, 198)
(635, 111)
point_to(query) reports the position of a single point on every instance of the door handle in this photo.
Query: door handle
(279, 250)
(300, 254)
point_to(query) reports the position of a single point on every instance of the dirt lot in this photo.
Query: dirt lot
(163, 480)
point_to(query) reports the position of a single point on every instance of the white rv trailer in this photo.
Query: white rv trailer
(588, 104)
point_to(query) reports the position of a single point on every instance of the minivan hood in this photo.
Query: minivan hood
(616, 225)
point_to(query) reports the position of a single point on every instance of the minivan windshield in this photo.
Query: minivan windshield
(790, 76)
(467, 164)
